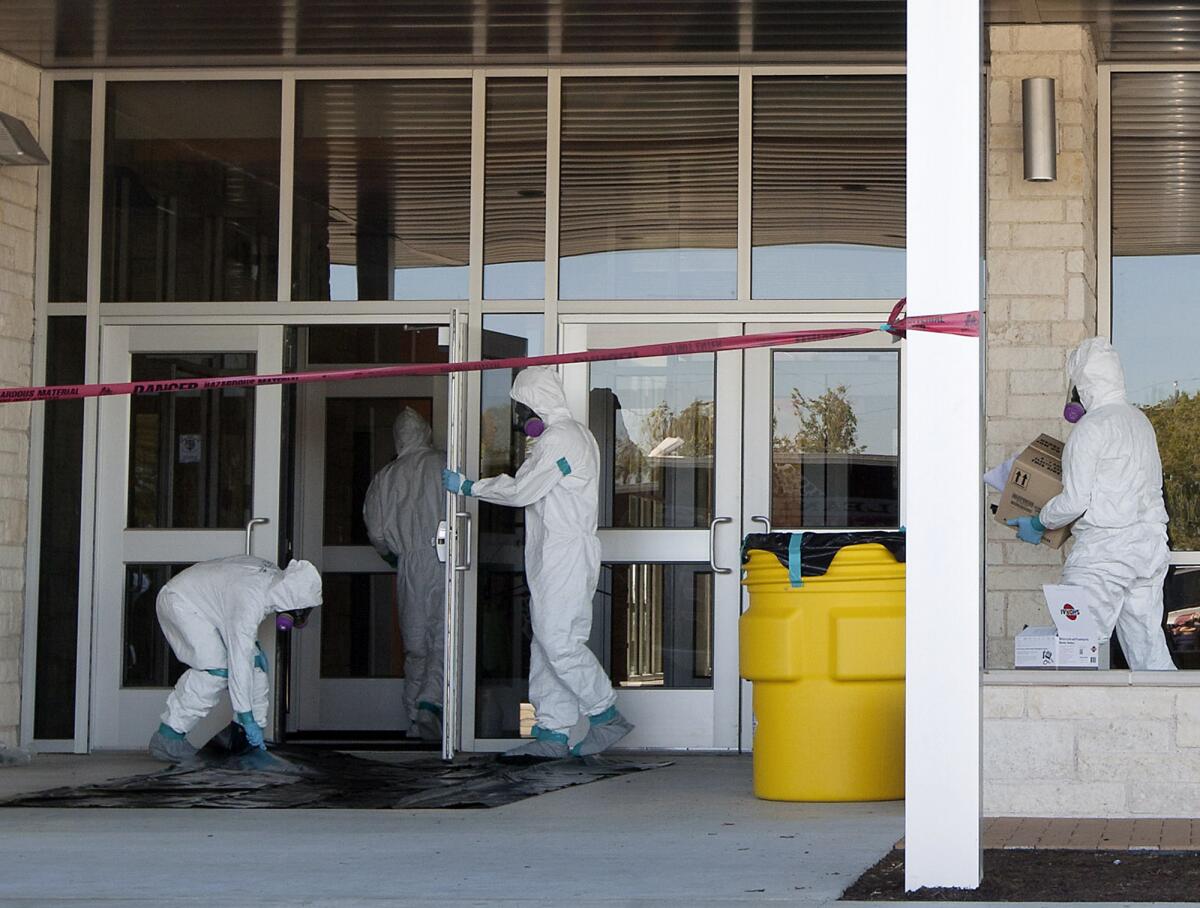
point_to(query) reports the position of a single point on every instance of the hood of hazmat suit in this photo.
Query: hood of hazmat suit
(210, 613)
(1112, 491)
(558, 487)
(404, 505)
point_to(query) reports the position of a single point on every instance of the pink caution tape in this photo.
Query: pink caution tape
(964, 324)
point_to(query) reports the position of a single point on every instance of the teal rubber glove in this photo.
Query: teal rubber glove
(254, 732)
(1029, 529)
(260, 660)
(452, 481)
(392, 560)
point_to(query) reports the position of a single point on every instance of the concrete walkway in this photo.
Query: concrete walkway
(689, 834)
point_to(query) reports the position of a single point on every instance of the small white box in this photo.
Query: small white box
(1073, 643)
(1036, 647)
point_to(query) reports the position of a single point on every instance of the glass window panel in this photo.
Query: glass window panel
(652, 625)
(835, 453)
(147, 659)
(1181, 597)
(191, 453)
(1155, 269)
(503, 635)
(514, 206)
(649, 188)
(360, 627)
(191, 191)
(654, 419)
(70, 179)
(375, 345)
(58, 566)
(383, 190)
(829, 186)
(358, 443)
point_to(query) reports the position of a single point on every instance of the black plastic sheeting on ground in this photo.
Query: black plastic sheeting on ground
(316, 779)
(817, 550)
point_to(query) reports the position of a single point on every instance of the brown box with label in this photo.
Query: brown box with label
(1036, 477)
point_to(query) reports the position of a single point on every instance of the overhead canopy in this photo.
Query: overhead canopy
(211, 32)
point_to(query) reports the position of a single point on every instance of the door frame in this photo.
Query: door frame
(112, 708)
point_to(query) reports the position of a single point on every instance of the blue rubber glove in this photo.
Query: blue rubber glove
(254, 732)
(260, 660)
(1029, 529)
(392, 560)
(452, 481)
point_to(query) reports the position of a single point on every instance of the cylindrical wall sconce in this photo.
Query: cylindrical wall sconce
(1040, 129)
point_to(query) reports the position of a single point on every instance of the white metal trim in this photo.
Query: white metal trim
(85, 663)
(287, 187)
(37, 423)
(1104, 204)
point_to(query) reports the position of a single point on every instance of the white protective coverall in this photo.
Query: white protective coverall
(404, 504)
(558, 487)
(210, 615)
(1112, 489)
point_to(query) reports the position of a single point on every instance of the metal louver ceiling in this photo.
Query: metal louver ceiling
(829, 160)
(1156, 163)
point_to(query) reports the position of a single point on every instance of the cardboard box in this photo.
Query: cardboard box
(1035, 478)
(1073, 643)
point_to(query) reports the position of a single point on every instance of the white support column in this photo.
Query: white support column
(944, 406)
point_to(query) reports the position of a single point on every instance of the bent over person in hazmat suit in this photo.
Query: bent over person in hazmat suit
(402, 510)
(558, 487)
(1112, 489)
(210, 614)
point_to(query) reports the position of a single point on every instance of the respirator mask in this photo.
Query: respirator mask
(526, 421)
(1074, 410)
(285, 621)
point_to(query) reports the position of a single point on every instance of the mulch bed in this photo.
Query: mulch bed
(1018, 875)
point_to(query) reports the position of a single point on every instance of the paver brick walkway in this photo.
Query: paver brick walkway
(1090, 834)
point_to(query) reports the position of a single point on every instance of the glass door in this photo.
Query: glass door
(822, 438)
(348, 663)
(182, 477)
(666, 610)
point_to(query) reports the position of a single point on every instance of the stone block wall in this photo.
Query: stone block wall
(1123, 749)
(20, 86)
(1041, 301)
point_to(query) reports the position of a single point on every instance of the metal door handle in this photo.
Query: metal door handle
(465, 566)
(765, 521)
(439, 541)
(712, 545)
(254, 521)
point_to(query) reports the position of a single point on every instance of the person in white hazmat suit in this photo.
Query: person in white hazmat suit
(403, 507)
(1112, 490)
(210, 614)
(558, 487)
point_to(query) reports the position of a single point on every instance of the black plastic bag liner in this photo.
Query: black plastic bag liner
(332, 779)
(817, 550)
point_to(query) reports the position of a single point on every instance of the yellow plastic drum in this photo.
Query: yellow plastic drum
(827, 662)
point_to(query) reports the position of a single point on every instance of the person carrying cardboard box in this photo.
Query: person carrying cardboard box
(1112, 490)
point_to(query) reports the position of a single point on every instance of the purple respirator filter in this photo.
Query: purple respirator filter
(533, 427)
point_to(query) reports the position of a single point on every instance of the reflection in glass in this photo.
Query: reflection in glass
(360, 627)
(358, 443)
(147, 659)
(514, 205)
(70, 178)
(58, 563)
(835, 454)
(649, 188)
(654, 420)
(383, 186)
(652, 625)
(503, 634)
(1181, 598)
(191, 453)
(1155, 269)
(829, 185)
(191, 191)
